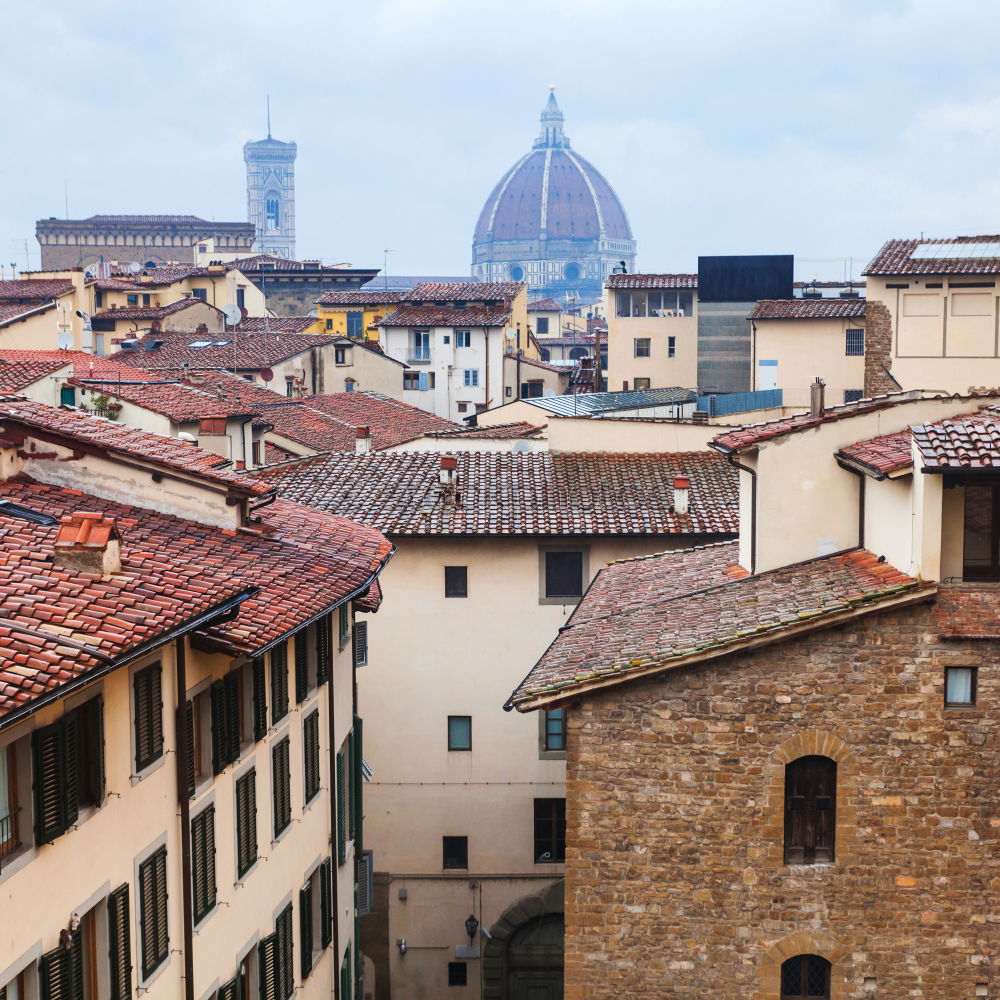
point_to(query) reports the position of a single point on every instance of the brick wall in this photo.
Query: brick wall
(676, 886)
(878, 349)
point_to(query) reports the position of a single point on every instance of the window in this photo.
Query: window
(306, 659)
(421, 349)
(10, 828)
(533, 389)
(315, 914)
(281, 793)
(805, 976)
(458, 974)
(203, 890)
(279, 683)
(153, 911)
(246, 822)
(145, 300)
(981, 560)
(227, 708)
(550, 830)
(463, 338)
(480, 407)
(60, 971)
(462, 407)
(355, 323)
(671, 347)
(329, 324)
(200, 293)
(148, 714)
(545, 353)
(241, 298)
(454, 852)
(853, 395)
(542, 324)
(310, 755)
(132, 300)
(456, 581)
(470, 377)
(810, 807)
(275, 960)
(641, 383)
(119, 944)
(361, 644)
(341, 806)
(272, 215)
(344, 624)
(854, 345)
(422, 381)
(323, 640)
(459, 732)
(563, 573)
(555, 729)
(960, 687)
(340, 355)
(641, 347)
(446, 339)
(68, 769)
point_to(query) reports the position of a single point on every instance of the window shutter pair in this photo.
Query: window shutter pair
(305, 929)
(60, 971)
(352, 789)
(810, 810)
(323, 647)
(341, 808)
(279, 683)
(146, 685)
(267, 965)
(301, 666)
(281, 790)
(153, 911)
(203, 862)
(361, 644)
(119, 944)
(286, 965)
(225, 700)
(357, 784)
(326, 902)
(310, 747)
(246, 823)
(55, 766)
(229, 991)
(259, 699)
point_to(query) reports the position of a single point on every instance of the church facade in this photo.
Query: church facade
(553, 221)
(271, 194)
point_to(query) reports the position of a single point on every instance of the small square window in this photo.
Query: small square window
(462, 407)
(563, 574)
(132, 300)
(459, 732)
(455, 852)
(960, 687)
(555, 729)
(641, 347)
(671, 347)
(456, 581)
(458, 974)
(446, 339)
(641, 383)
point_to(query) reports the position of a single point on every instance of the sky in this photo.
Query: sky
(815, 127)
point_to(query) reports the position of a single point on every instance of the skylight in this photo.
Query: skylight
(201, 343)
(10, 509)
(956, 251)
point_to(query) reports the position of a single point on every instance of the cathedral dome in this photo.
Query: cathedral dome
(552, 220)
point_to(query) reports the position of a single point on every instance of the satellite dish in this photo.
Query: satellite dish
(135, 267)
(233, 314)
(64, 340)
(549, 392)
(510, 333)
(267, 374)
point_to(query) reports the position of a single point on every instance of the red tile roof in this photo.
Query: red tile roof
(57, 624)
(896, 258)
(34, 289)
(71, 424)
(518, 494)
(85, 365)
(881, 455)
(10, 311)
(179, 401)
(651, 281)
(15, 374)
(246, 351)
(360, 298)
(571, 340)
(391, 421)
(275, 324)
(647, 615)
(809, 309)
(544, 305)
(964, 443)
(501, 432)
(407, 315)
(463, 291)
(535, 363)
(318, 431)
(150, 312)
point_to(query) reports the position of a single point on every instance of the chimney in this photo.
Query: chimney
(363, 440)
(817, 400)
(448, 473)
(88, 542)
(682, 491)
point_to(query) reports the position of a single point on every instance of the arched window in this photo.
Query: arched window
(272, 217)
(516, 272)
(571, 272)
(805, 976)
(545, 353)
(810, 810)
(577, 353)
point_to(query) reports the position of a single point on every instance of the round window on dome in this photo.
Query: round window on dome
(516, 272)
(571, 272)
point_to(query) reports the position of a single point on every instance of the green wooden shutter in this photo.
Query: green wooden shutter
(323, 645)
(352, 805)
(344, 624)
(305, 929)
(48, 765)
(361, 644)
(229, 991)
(71, 770)
(345, 975)
(119, 944)
(189, 750)
(279, 682)
(203, 862)
(301, 665)
(146, 685)
(153, 911)
(341, 808)
(326, 902)
(231, 697)
(217, 696)
(246, 823)
(357, 786)
(283, 929)
(310, 751)
(60, 972)
(281, 781)
(98, 762)
(267, 967)
(259, 699)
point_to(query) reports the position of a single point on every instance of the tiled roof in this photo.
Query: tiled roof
(404, 282)
(391, 421)
(407, 315)
(375, 297)
(275, 324)
(544, 305)
(57, 623)
(150, 312)
(179, 401)
(535, 363)
(571, 340)
(85, 365)
(16, 374)
(258, 262)
(896, 257)
(809, 309)
(588, 403)
(70, 423)
(298, 421)
(883, 455)
(464, 291)
(963, 443)
(646, 615)
(116, 285)
(651, 281)
(501, 432)
(517, 493)
(34, 289)
(246, 351)
(275, 453)
(10, 311)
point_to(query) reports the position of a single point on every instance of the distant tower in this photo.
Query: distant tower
(271, 193)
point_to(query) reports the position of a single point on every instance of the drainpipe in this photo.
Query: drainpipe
(861, 499)
(335, 898)
(187, 903)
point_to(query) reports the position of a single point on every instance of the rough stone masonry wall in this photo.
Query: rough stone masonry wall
(675, 881)
(878, 349)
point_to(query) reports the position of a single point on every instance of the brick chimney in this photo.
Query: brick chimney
(88, 542)
(682, 493)
(363, 440)
(448, 473)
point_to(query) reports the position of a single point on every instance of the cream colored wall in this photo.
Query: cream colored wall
(889, 519)
(555, 324)
(371, 371)
(46, 389)
(805, 349)
(662, 371)
(638, 435)
(952, 533)
(553, 383)
(514, 412)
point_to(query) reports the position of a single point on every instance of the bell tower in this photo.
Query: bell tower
(271, 193)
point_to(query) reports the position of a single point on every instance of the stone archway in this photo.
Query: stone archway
(523, 957)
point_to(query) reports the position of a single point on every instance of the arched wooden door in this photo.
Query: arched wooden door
(535, 960)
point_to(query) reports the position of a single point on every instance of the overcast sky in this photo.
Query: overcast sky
(816, 127)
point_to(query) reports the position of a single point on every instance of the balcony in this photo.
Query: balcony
(418, 356)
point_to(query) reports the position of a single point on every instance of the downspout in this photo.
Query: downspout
(335, 897)
(753, 502)
(861, 499)
(486, 334)
(182, 795)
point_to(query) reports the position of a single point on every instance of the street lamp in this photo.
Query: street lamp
(471, 926)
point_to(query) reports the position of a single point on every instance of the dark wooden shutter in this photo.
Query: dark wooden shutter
(305, 929)
(146, 685)
(810, 810)
(229, 991)
(259, 700)
(97, 775)
(352, 801)
(246, 823)
(310, 751)
(326, 902)
(231, 695)
(71, 770)
(281, 791)
(323, 647)
(119, 944)
(153, 911)
(267, 967)
(357, 785)
(203, 862)
(341, 808)
(361, 644)
(189, 750)
(364, 880)
(301, 665)
(217, 696)
(279, 682)
(283, 929)
(49, 765)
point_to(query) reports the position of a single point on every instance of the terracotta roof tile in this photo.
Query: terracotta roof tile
(544, 305)
(391, 421)
(150, 312)
(809, 309)
(535, 363)
(275, 324)
(500, 432)
(963, 443)
(246, 351)
(644, 615)
(882, 455)
(651, 281)
(34, 289)
(17, 373)
(179, 401)
(464, 291)
(375, 297)
(896, 258)
(408, 315)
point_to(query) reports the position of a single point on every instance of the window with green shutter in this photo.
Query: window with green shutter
(281, 786)
(310, 752)
(324, 657)
(361, 644)
(259, 699)
(267, 964)
(341, 807)
(148, 707)
(302, 678)
(229, 990)
(119, 945)
(279, 683)
(352, 787)
(203, 863)
(344, 624)
(155, 940)
(60, 971)
(246, 823)
(286, 964)
(306, 896)
(326, 902)
(345, 976)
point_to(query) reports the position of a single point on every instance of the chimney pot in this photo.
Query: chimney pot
(682, 493)
(88, 542)
(363, 440)
(817, 398)
(448, 473)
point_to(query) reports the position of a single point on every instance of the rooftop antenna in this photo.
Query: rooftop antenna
(385, 269)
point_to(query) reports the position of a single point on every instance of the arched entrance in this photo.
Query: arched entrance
(523, 958)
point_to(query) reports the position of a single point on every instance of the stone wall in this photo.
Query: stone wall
(878, 349)
(676, 886)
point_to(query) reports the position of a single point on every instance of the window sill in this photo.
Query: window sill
(199, 924)
(146, 981)
(16, 860)
(566, 601)
(551, 754)
(241, 879)
(279, 837)
(148, 770)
